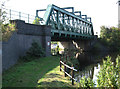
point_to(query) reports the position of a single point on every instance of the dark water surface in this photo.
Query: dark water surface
(89, 64)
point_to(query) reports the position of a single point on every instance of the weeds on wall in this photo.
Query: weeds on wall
(7, 30)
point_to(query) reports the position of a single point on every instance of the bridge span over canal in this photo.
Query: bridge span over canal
(65, 24)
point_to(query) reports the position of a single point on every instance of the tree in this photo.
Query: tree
(110, 37)
(2, 17)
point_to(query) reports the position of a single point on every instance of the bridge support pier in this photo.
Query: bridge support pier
(83, 45)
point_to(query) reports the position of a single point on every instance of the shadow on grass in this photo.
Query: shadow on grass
(26, 74)
(52, 75)
(53, 84)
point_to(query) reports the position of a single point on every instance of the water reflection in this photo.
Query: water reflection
(89, 64)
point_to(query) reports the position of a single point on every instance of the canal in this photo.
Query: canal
(89, 64)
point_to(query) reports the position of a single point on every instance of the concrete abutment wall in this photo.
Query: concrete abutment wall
(21, 40)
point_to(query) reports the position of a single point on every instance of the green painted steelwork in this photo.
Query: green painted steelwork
(64, 22)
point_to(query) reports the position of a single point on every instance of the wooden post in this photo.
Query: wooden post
(60, 63)
(65, 69)
(63, 58)
(69, 57)
(72, 76)
(66, 57)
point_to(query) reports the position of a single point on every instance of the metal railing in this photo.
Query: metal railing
(12, 15)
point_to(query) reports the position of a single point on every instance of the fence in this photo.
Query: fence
(65, 72)
(12, 15)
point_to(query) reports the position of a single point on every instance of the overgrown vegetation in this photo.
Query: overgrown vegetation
(110, 37)
(109, 75)
(35, 51)
(86, 82)
(7, 30)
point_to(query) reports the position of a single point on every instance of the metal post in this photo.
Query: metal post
(86, 28)
(63, 21)
(28, 18)
(0, 14)
(68, 22)
(63, 18)
(60, 63)
(89, 29)
(20, 15)
(10, 14)
(83, 27)
(65, 69)
(73, 24)
(57, 17)
(72, 75)
(36, 13)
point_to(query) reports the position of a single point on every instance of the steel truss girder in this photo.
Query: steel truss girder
(65, 21)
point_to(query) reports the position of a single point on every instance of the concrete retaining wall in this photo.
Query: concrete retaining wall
(21, 41)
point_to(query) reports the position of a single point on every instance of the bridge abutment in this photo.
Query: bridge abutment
(21, 40)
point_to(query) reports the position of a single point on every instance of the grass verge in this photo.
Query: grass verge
(43, 72)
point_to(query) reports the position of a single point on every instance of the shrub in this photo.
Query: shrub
(108, 75)
(86, 82)
(35, 51)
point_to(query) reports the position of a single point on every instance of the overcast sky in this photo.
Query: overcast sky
(102, 12)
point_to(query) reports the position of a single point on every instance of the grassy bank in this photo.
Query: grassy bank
(43, 72)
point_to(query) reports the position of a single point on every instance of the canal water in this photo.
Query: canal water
(89, 64)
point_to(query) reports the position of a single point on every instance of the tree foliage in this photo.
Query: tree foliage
(110, 37)
(36, 21)
(7, 30)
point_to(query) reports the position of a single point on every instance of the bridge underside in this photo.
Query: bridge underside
(65, 36)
